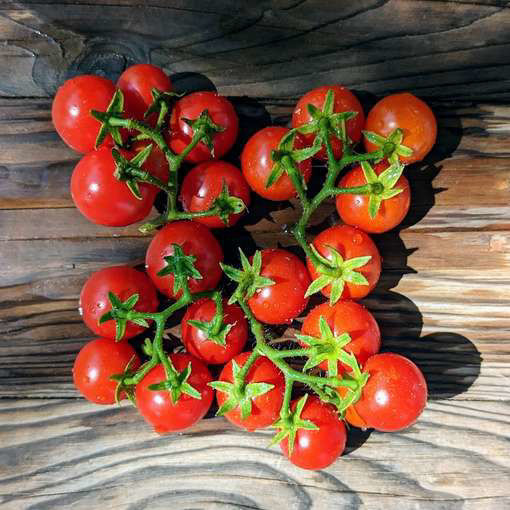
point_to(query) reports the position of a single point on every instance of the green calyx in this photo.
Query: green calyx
(122, 385)
(161, 104)
(248, 279)
(392, 145)
(382, 186)
(114, 111)
(239, 394)
(355, 376)
(204, 128)
(131, 170)
(290, 424)
(227, 204)
(182, 267)
(336, 272)
(177, 384)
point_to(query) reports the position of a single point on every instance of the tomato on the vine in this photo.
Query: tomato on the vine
(266, 407)
(204, 183)
(345, 101)
(71, 107)
(257, 164)
(156, 163)
(157, 407)
(413, 116)
(96, 362)
(197, 341)
(190, 107)
(196, 240)
(283, 301)
(317, 449)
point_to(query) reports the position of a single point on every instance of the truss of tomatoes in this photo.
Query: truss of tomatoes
(134, 136)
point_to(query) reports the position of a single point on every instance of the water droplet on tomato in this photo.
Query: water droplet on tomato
(80, 311)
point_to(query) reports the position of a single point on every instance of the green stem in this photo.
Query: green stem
(218, 314)
(296, 179)
(246, 367)
(358, 158)
(285, 409)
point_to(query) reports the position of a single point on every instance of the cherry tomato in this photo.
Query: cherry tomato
(123, 281)
(285, 299)
(156, 163)
(346, 317)
(71, 107)
(266, 407)
(394, 395)
(408, 113)
(351, 415)
(96, 362)
(190, 107)
(203, 184)
(351, 243)
(345, 101)
(195, 240)
(197, 341)
(136, 83)
(317, 449)
(157, 407)
(257, 164)
(353, 209)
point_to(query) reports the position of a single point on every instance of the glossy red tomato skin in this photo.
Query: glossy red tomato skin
(195, 239)
(285, 300)
(353, 209)
(257, 164)
(317, 449)
(136, 83)
(190, 107)
(346, 316)
(123, 281)
(204, 183)
(266, 407)
(197, 342)
(96, 362)
(345, 101)
(71, 107)
(157, 407)
(412, 115)
(351, 243)
(395, 394)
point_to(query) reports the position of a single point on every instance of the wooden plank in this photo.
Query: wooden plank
(455, 457)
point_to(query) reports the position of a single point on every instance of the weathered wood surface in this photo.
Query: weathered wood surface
(443, 300)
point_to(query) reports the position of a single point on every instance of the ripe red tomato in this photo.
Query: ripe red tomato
(157, 407)
(136, 83)
(96, 362)
(266, 407)
(408, 113)
(317, 449)
(353, 209)
(196, 240)
(257, 164)
(204, 183)
(197, 341)
(351, 243)
(394, 395)
(345, 101)
(346, 317)
(71, 107)
(190, 107)
(123, 281)
(285, 299)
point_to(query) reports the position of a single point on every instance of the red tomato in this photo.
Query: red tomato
(156, 163)
(190, 107)
(123, 281)
(285, 299)
(196, 240)
(203, 184)
(353, 209)
(71, 107)
(394, 395)
(351, 415)
(136, 83)
(197, 342)
(257, 164)
(266, 407)
(408, 113)
(351, 243)
(346, 317)
(96, 362)
(157, 407)
(345, 101)
(317, 449)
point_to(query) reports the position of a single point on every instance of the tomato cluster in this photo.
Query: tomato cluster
(135, 135)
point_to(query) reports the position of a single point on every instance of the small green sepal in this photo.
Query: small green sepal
(205, 128)
(179, 386)
(391, 145)
(181, 266)
(114, 111)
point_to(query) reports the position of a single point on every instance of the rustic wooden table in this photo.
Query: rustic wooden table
(444, 298)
